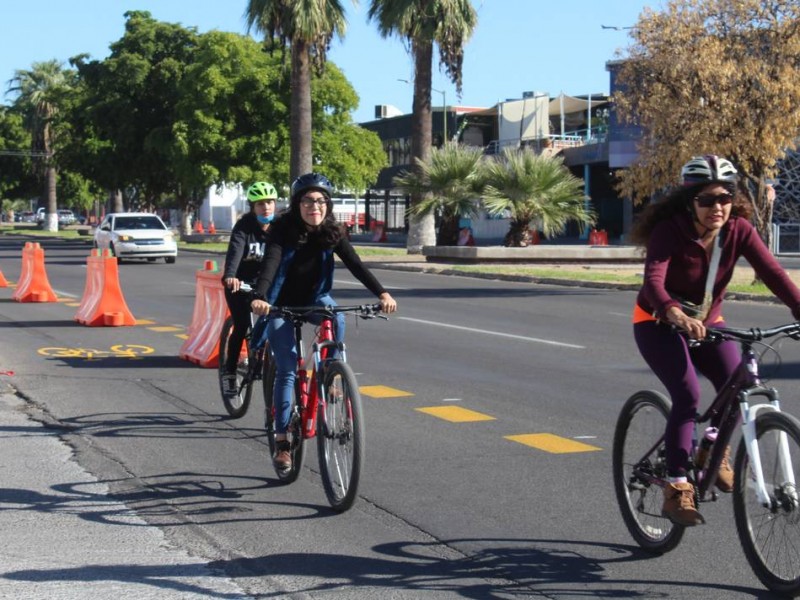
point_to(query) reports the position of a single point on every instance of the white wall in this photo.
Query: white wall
(223, 204)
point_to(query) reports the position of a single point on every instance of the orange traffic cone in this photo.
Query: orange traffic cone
(198, 227)
(3, 282)
(211, 228)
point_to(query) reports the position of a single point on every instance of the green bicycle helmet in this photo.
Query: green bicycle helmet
(261, 191)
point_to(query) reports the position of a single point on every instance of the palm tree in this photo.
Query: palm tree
(534, 187)
(421, 23)
(41, 92)
(307, 26)
(450, 184)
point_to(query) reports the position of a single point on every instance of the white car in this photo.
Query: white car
(136, 235)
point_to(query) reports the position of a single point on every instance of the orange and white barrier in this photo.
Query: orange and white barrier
(33, 285)
(102, 304)
(208, 317)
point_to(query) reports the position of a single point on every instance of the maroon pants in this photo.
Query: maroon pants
(676, 365)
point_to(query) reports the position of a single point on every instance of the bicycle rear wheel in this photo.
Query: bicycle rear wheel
(770, 535)
(235, 405)
(294, 431)
(340, 436)
(637, 460)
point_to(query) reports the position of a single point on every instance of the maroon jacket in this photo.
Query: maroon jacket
(676, 263)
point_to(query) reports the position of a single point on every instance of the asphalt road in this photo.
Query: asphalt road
(448, 508)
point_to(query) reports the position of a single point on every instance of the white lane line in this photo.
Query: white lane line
(68, 295)
(497, 333)
(616, 314)
(359, 284)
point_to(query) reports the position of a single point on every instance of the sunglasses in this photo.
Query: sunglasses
(309, 202)
(709, 200)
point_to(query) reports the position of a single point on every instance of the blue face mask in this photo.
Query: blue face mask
(265, 220)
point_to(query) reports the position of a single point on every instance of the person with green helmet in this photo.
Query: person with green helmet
(246, 249)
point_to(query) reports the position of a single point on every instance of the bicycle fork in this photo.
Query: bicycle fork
(749, 415)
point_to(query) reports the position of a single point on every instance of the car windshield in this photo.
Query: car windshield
(138, 223)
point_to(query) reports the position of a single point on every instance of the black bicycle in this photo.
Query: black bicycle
(252, 366)
(766, 502)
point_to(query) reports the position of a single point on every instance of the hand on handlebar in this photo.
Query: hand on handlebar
(232, 284)
(694, 328)
(388, 304)
(260, 307)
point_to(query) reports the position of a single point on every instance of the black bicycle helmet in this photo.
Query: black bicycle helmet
(709, 169)
(311, 181)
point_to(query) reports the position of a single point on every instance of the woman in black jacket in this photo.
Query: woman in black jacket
(246, 249)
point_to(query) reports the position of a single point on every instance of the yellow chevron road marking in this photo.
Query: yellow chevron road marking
(551, 443)
(455, 414)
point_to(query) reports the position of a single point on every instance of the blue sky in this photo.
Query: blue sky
(518, 45)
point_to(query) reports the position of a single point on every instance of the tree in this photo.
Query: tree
(713, 76)
(132, 99)
(421, 23)
(534, 187)
(16, 176)
(450, 183)
(40, 92)
(349, 155)
(232, 114)
(307, 26)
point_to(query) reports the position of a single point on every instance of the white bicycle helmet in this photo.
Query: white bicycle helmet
(708, 169)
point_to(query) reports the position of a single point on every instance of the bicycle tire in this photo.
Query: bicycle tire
(340, 436)
(294, 431)
(641, 422)
(237, 405)
(770, 536)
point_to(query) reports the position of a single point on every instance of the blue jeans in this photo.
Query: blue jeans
(280, 334)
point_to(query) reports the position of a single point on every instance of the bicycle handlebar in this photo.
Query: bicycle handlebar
(754, 334)
(302, 313)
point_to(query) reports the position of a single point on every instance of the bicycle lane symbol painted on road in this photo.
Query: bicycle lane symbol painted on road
(130, 351)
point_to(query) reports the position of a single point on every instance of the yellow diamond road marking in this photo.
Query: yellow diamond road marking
(163, 328)
(455, 414)
(382, 391)
(551, 443)
(145, 322)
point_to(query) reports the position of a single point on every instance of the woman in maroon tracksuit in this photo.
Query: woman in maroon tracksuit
(680, 233)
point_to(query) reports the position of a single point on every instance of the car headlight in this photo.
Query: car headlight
(169, 237)
(125, 238)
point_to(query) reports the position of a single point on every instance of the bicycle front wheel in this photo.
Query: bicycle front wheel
(770, 535)
(235, 405)
(638, 463)
(294, 431)
(340, 436)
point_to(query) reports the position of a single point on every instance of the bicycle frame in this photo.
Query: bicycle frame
(742, 386)
(311, 392)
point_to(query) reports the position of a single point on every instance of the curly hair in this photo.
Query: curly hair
(679, 201)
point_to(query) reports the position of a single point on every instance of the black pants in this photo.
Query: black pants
(239, 305)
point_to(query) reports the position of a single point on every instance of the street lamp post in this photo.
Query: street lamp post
(444, 109)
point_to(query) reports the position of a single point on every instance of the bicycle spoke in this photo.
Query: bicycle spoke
(770, 534)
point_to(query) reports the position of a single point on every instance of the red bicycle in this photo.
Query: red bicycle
(326, 404)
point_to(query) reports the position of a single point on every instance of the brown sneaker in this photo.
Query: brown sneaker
(724, 481)
(283, 456)
(679, 505)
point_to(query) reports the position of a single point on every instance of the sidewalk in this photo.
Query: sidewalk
(58, 541)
